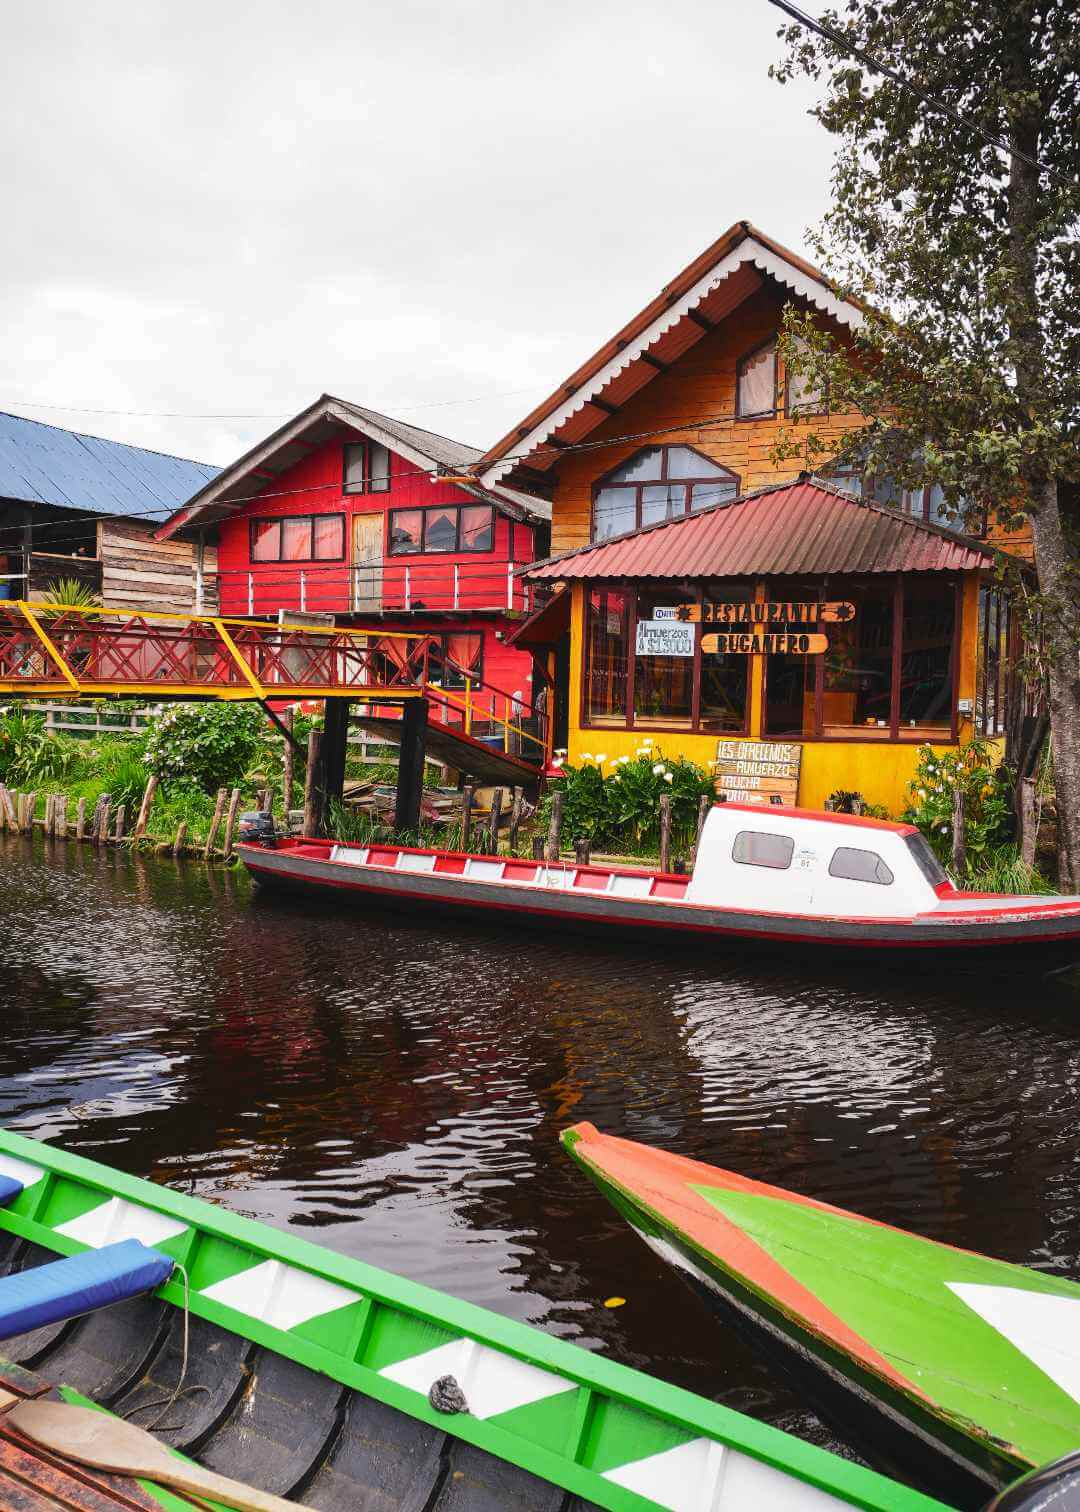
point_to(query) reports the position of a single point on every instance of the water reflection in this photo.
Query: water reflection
(396, 1086)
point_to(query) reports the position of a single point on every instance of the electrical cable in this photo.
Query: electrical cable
(838, 38)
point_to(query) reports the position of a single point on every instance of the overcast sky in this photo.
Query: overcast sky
(437, 210)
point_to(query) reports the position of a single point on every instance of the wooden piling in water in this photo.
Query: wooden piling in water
(515, 819)
(101, 832)
(665, 832)
(120, 827)
(181, 836)
(80, 820)
(144, 806)
(313, 811)
(61, 817)
(466, 816)
(46, 823)
(493, 822)
(215, 823)
(8, 819)
(30, 799)
(230, 822)
(554, 840)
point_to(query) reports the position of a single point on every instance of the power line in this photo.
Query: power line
(830, 33)
(686, 423)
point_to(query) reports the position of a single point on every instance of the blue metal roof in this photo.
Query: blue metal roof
(43, 464)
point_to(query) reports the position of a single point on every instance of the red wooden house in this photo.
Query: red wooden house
(348, 512)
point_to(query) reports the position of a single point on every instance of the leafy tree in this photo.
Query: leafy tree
(966, 369)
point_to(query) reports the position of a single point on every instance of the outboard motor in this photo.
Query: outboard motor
(258, 829)
(1054, 1486)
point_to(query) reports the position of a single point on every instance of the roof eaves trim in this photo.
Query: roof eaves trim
(814, 290)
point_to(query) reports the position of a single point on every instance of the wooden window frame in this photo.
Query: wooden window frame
(740, 363)
(424, 510)
(631, 589)
(663, 481)
(280, 521)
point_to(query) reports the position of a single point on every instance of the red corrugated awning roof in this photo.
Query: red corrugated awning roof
(800, 529)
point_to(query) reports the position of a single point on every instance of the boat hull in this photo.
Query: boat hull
(308, 868)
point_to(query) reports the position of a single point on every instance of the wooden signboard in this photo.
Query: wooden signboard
(785, 642)
(758, 771)
(774, 614)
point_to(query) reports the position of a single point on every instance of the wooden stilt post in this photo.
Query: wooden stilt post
(410, 783)
(120, 827)
(959, 834)
(215, 823)
(313, 809)
(515, 819)
(704, 805)
(144, 807)
(665, 832)
(80, 820)
(335, 738)
(287, 760)
(230, 822)
(554, 840)
(493, 823)
(61, 817)
(466, 816)
(181, 837)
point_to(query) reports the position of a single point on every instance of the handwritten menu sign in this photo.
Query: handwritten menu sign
(664, 638)
(758, 771)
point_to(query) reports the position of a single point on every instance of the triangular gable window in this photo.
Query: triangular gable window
(656, 484)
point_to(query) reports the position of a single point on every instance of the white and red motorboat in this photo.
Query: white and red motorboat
(769, 874)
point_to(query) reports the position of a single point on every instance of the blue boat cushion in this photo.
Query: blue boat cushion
(9, 1189)
(68, 1288)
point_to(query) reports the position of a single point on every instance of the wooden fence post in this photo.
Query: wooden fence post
(581, 851)
(1029, 824)
(538, 847)
(515, 819)
(215, 823)
(144, 807)
(704, 805)
(230, 822)
(554, 840)
(287, 762)
(101, 833)
(466, 815)
(313, 815)
(959, 836)
(80, 820)
(120, 827)
(61, 816)
(181, 836)
(493, 825)
(665, 832)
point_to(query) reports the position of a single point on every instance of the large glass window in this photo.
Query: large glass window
(365, 468)
(857, 686)
(442, 528)
(725, 676)
(755, 383)
(663, 683)
(791, 681)
(298, 538)
(607, 654)
(658, 483)
(927, 651)
(379, 467)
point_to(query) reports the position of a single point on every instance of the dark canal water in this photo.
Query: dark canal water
(394, 1088)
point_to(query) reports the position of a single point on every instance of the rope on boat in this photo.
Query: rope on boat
(179, 1390)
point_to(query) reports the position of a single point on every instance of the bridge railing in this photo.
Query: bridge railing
(97, 651)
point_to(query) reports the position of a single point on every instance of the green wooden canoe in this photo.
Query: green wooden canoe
(957, 1371)
(315, 1373)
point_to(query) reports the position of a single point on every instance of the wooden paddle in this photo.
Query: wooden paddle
(108, 1443)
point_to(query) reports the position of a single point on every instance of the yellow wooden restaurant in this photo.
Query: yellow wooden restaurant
(709, 603)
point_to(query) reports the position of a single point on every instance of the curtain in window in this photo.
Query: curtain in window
(440, 530)
(296, 540)
(614, 512)
(329, 538)
(355, 479)
(477, 528)
(405, 528)
(756, 385)
(265, 540)
(379, 468)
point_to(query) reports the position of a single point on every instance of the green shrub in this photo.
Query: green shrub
(1000, 870)
(204, 746)
(988, 816)
(622, 810)
(29, 756)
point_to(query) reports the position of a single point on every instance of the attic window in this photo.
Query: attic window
(755, 383)
(656, 484)
(365, 468)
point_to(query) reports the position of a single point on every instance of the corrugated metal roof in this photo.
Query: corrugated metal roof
(802, 528)
(43, 464)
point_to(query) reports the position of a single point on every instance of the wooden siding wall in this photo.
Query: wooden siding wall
(700, 385)
(142, 573)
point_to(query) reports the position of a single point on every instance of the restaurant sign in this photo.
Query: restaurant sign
(664, 638)
(774, 614)
(758, 771)
(784, 642)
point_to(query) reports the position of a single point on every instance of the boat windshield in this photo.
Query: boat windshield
(926, 861)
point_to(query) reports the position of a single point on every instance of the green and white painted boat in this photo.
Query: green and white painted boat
(956, 1371)
(318, 1378)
